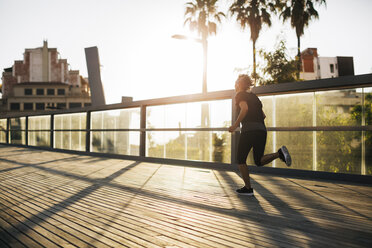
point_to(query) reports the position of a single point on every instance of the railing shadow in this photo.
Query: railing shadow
(40, 217)
(326, 198)
(257, 213)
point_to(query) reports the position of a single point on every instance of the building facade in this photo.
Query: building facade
(43, 81)
(315, 67)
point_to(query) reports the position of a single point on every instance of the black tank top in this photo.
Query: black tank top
(255, 113)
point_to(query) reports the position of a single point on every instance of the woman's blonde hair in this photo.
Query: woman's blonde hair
(244, 80)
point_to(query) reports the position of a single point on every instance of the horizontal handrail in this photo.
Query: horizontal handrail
(271, 129)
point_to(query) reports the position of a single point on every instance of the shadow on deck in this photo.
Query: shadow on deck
(51, 199)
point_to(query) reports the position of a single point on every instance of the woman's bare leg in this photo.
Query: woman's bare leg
(243, 168)
(268, 158)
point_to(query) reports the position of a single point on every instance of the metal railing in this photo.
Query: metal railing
(342, 83)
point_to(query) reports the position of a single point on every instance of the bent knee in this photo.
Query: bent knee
(258, 162)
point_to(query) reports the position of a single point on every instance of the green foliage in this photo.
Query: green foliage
(219, 143)
(356, 114)
(278, 67)
(337, 151)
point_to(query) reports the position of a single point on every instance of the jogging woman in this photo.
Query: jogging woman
(253, 132)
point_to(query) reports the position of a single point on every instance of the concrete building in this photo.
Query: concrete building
(315, 67)
(43, 81)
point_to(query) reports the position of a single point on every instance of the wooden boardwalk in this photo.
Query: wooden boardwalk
(50, 199)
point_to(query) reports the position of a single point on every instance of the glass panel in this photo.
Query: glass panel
(300, 146)
(18, 123)
(166, 116)
(338, 107)
(221, 142)
(2, 130)
(39, 138)
(339, 151)
(368, 152)
(175, 116)
(16, 136)
(39, 122)
(70, 121)
(155, 145)
(294, 110)
(204, 146)
(368, 105)
(126, 143)
(70, 140)
(116, 119)
(175, 146)
(195, 116)
(209, 114)
(267, 102)
(199, 146)
(220, 113)
(190, 115)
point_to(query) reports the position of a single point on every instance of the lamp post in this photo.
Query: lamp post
(204, 43)
(205, 120)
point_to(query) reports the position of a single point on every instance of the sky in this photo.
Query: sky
(140, 59)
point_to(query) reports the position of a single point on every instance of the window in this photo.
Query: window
(61, 92)
(28, 106)
(87, 104)
(50, 105)
(14, 106)
(50, 92)
(40, 106)
(61, 105)
(28, 92)
(75, 105)
(40, 92)
(332, 68)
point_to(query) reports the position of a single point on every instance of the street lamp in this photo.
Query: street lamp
(205, 120)
(205, 49)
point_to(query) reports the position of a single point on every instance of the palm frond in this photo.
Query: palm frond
(200, 14)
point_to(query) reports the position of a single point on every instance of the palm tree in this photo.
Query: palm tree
(300, 13)
(253, 14)
(203, 16)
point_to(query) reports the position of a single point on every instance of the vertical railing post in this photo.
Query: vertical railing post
(363, 170)
(142, 151)
(26, 130)
(274, 125)
(315, 166)
(51, 135)
(87, 135)
(7, 135)
(234, 135)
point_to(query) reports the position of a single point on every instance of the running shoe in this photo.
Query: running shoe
(285, 156)
(245, 191)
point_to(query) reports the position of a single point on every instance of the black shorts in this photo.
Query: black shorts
(249, 139)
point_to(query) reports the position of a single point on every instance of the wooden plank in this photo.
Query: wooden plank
(7, 223)
(7, 240)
